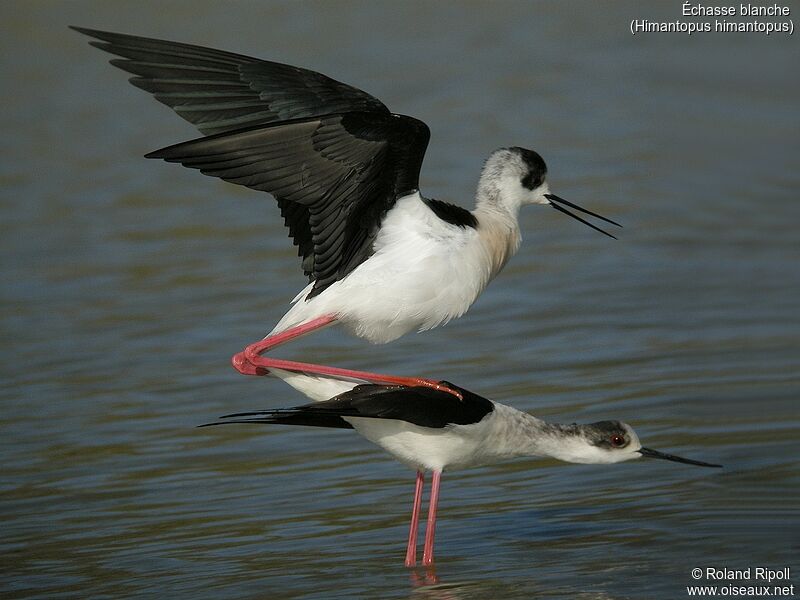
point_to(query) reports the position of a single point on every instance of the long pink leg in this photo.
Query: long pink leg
(250, 361)
(411, 551)
(430, 530)
(243, 361)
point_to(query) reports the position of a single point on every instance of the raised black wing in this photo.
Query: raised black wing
(418, 405)
(333, 156)
(335, 177)
(221, 91)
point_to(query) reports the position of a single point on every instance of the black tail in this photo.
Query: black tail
(300, 415)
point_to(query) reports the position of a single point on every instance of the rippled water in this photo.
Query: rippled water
(127, 284)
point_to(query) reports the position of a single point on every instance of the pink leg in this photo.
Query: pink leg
(250, 361)
(243, 361)
(430, 530)
(430, 578)
(411, 551)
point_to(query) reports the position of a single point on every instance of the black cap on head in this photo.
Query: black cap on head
(537, 169)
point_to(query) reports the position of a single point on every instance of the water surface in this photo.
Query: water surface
(127, 285)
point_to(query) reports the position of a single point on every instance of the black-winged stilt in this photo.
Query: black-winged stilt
(432, 430)
(382, 259)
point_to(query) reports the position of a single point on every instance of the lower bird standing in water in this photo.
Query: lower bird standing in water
(432, 430)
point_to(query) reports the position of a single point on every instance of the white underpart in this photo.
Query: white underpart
(316, 387)
(424, 272)
(504, 433)
(455, 446)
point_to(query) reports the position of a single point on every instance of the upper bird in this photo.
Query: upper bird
(382, 259)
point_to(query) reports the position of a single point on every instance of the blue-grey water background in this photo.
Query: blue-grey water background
(127, 284)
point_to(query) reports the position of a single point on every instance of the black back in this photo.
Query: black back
(451, 213)
(419, 405)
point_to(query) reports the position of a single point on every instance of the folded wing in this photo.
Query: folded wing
(423, 406)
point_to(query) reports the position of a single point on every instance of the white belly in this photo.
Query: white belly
(422, 448)
(423, 273)
(504, 433)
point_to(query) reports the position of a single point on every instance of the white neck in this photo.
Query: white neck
(520, 434)
(494, 196)
(498, 224)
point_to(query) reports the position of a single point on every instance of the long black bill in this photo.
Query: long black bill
(656, 454)
(553, 199)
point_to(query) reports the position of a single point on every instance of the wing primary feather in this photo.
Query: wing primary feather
(297, 134)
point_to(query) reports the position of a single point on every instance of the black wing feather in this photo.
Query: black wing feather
(419, 405)
(333, 156)
(296, 217)
(343, 171)
(220, 91)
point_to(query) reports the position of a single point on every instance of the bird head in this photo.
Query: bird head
(611, 442)
(518, 176)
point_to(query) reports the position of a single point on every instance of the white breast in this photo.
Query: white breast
(423, 273)
(455, 446)
(502, 434)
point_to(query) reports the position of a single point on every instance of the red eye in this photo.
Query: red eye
(617, 441)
